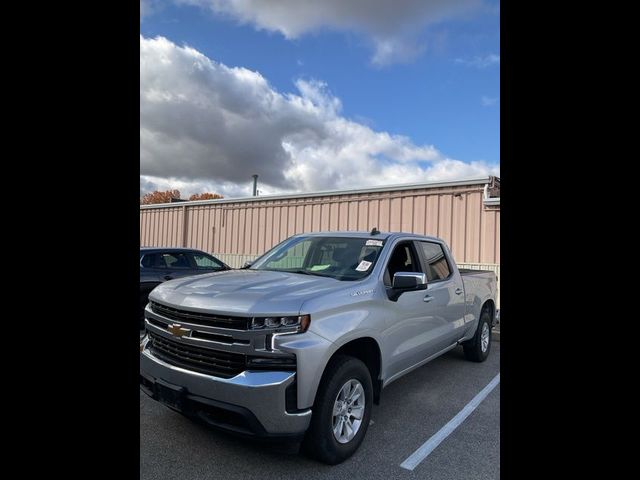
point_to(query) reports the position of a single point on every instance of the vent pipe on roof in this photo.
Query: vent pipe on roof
(486, 196)
(255, 185)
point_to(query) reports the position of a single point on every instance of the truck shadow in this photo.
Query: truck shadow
(412, 408)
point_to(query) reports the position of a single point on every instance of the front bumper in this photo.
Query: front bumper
(251, 403)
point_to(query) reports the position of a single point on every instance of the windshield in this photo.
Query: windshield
(342, 258)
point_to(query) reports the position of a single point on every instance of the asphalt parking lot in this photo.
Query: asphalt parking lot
(412, 410)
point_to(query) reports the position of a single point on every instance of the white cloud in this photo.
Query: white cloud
(206, 126)
(480, 61)
(396, 50)
(489, 101)
(392, 27)
(147, 7)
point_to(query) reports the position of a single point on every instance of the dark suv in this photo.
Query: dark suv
(159, 264)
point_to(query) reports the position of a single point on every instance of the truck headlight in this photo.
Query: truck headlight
(280, 323)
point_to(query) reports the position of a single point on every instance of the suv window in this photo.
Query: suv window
(206, 262)
(173, 260)
(436, 261)
(403, 259)
(148, 260)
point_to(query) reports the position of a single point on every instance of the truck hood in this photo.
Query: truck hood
(253, 292)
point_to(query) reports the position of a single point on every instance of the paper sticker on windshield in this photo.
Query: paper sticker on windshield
(364, 266)
(319, 267)
(373, 243)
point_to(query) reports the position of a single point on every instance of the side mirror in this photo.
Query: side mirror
(409, 281)
(406, 282)
(247, 265)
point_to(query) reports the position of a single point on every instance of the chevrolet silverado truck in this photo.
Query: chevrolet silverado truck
(301, 343)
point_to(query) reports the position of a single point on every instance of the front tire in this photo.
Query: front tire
(477, 349)
(342, 411)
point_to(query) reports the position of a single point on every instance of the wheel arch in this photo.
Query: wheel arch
(368, 351)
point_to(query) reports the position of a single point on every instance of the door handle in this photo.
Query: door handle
(168, 277)
(458, 291)
(427, 299)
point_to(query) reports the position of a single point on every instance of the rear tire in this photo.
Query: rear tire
(477, 349)
(344, 375)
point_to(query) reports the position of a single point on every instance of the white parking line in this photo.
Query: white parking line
(429, 446)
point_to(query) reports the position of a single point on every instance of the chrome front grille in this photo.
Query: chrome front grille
(205, 319)
(198, 359)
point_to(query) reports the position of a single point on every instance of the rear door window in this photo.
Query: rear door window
(166, 260)
(435, 261)
(206, 262)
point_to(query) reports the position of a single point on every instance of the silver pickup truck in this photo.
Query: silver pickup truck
(301, 343)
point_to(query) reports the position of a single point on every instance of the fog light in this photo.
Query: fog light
(271, 362)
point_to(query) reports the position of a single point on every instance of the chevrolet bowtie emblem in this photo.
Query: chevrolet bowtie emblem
(177, 331)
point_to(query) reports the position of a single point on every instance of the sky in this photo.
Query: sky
(317, 95)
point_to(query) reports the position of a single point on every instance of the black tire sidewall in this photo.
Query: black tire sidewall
(324, 444)
(484, 318)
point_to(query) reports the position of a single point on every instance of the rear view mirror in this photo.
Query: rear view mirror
(409, 281)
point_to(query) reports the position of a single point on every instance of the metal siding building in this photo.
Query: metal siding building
(463, 213)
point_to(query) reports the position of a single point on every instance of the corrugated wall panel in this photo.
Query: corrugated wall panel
(199, 227)
(352, 221)
(275, 235)
(419, 207)
(384, 211)
(268, 238)
(316, 218)
(333, 215)
(291, 220)
(262, 223)
(250, 228)
(395, 215)
(487, 237)
(406, 215)
(459, 224)
(374, 218)
(445, 217)
(432, 215)
(307, 218)
(343, 213)
(472, 230)
(255, 222)
(299, 219)
(497, 237)
(363, 216)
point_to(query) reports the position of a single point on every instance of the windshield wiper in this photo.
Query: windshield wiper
(306, 272)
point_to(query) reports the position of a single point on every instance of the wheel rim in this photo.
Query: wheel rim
(348, 411)
(484, 338)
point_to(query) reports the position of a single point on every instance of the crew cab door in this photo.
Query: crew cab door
(444, 295)
(410, 326)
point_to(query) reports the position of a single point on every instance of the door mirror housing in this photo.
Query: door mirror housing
(407, 281)
(247, 265)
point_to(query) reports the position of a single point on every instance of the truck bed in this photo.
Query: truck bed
(469, 271)
(478, 286)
